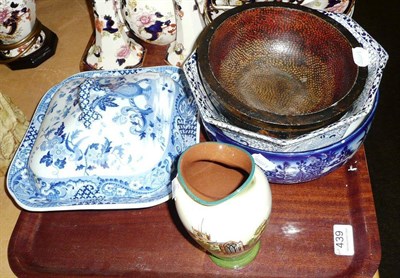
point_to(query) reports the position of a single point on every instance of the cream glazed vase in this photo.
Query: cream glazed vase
(224, 201)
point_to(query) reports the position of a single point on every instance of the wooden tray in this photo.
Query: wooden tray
(298, 241)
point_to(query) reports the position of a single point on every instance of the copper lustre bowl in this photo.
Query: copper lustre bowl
(279, 69)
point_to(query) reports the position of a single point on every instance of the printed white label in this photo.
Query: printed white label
(360, 56)
(263, 162)
(343, 240)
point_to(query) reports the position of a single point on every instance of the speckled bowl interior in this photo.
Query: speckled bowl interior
(279, 69)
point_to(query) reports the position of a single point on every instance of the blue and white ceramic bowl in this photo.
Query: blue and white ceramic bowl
(105, 140)
(297, 167)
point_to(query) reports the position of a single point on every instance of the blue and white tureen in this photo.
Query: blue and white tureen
(105, 140)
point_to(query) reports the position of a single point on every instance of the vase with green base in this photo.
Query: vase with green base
(223, 200)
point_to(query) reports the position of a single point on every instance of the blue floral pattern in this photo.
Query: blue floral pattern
(290, 168)
(105, 140)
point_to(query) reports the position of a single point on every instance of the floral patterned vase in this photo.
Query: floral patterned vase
(24, 41)
(112, 49)
(121, 27)
(224, 201)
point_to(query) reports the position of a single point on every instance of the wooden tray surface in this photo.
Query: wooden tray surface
(298, 241)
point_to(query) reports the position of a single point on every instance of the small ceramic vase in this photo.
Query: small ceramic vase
(24, 41)
(112, 48)
(224, 201)
(176, 23)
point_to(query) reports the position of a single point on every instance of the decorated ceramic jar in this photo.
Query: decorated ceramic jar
(224, 201)
(112, 48)
(17, 20)
(123, 27)
(24, 41)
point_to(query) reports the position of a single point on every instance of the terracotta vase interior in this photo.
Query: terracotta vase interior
(214, 171)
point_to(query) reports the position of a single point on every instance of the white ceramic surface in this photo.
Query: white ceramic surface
(189, 24)
(105, 140)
